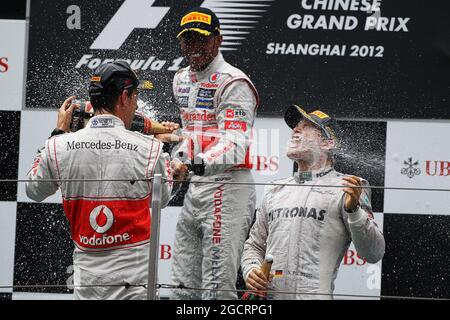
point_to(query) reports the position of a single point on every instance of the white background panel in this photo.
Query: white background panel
(423, 142)
(169, 216)
(7, 243)
(36, 127)
(356, 277)
(12, 38)
(268, 152)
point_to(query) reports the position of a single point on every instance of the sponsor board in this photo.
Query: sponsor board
(418, 160)
(169, 217)
(12, 64)
(368, 46)
(141, 32)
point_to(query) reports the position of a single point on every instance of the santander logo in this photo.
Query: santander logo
(101, 219)
(194, 116)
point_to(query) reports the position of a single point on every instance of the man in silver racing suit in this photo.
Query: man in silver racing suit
(218, 104)
(308, 229)
(109, 217)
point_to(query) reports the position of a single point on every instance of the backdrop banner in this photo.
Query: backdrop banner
(354, 59)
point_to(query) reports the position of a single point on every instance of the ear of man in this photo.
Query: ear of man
(124, 96)
(330, 144)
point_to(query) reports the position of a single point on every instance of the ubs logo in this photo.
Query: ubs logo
(410, 171)
(98, 215)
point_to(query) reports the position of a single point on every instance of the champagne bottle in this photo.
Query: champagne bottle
(265, 268)
(81, 115)
(145, 125)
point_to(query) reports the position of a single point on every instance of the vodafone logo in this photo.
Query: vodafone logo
(101, 220)
(97, 217)
(214, 77)
(209, 85)
(4, 64)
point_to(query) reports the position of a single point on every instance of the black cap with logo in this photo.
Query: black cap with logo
(201, 20)
(294, 114)
(113, 77)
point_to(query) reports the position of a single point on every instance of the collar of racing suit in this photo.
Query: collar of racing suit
(200, 75)
(303, 176)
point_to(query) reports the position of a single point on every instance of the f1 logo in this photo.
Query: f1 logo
(132, 14)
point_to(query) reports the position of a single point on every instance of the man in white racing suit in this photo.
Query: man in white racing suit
(109, 217)
(218, 105)
(308, 229)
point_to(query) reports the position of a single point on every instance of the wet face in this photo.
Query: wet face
(199, 50)
(307, 142)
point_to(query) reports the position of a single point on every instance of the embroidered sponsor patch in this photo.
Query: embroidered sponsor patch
(206, 93)
(183, 89)
(214, 77)
(320, 114)
(204, 103)
(278, 273)
(183, 101)
(235, 114)
(222, 179)
(236, 125)
(198, 116)
(196, 17)
(209, 85)
(102, 123)
(297, 213)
